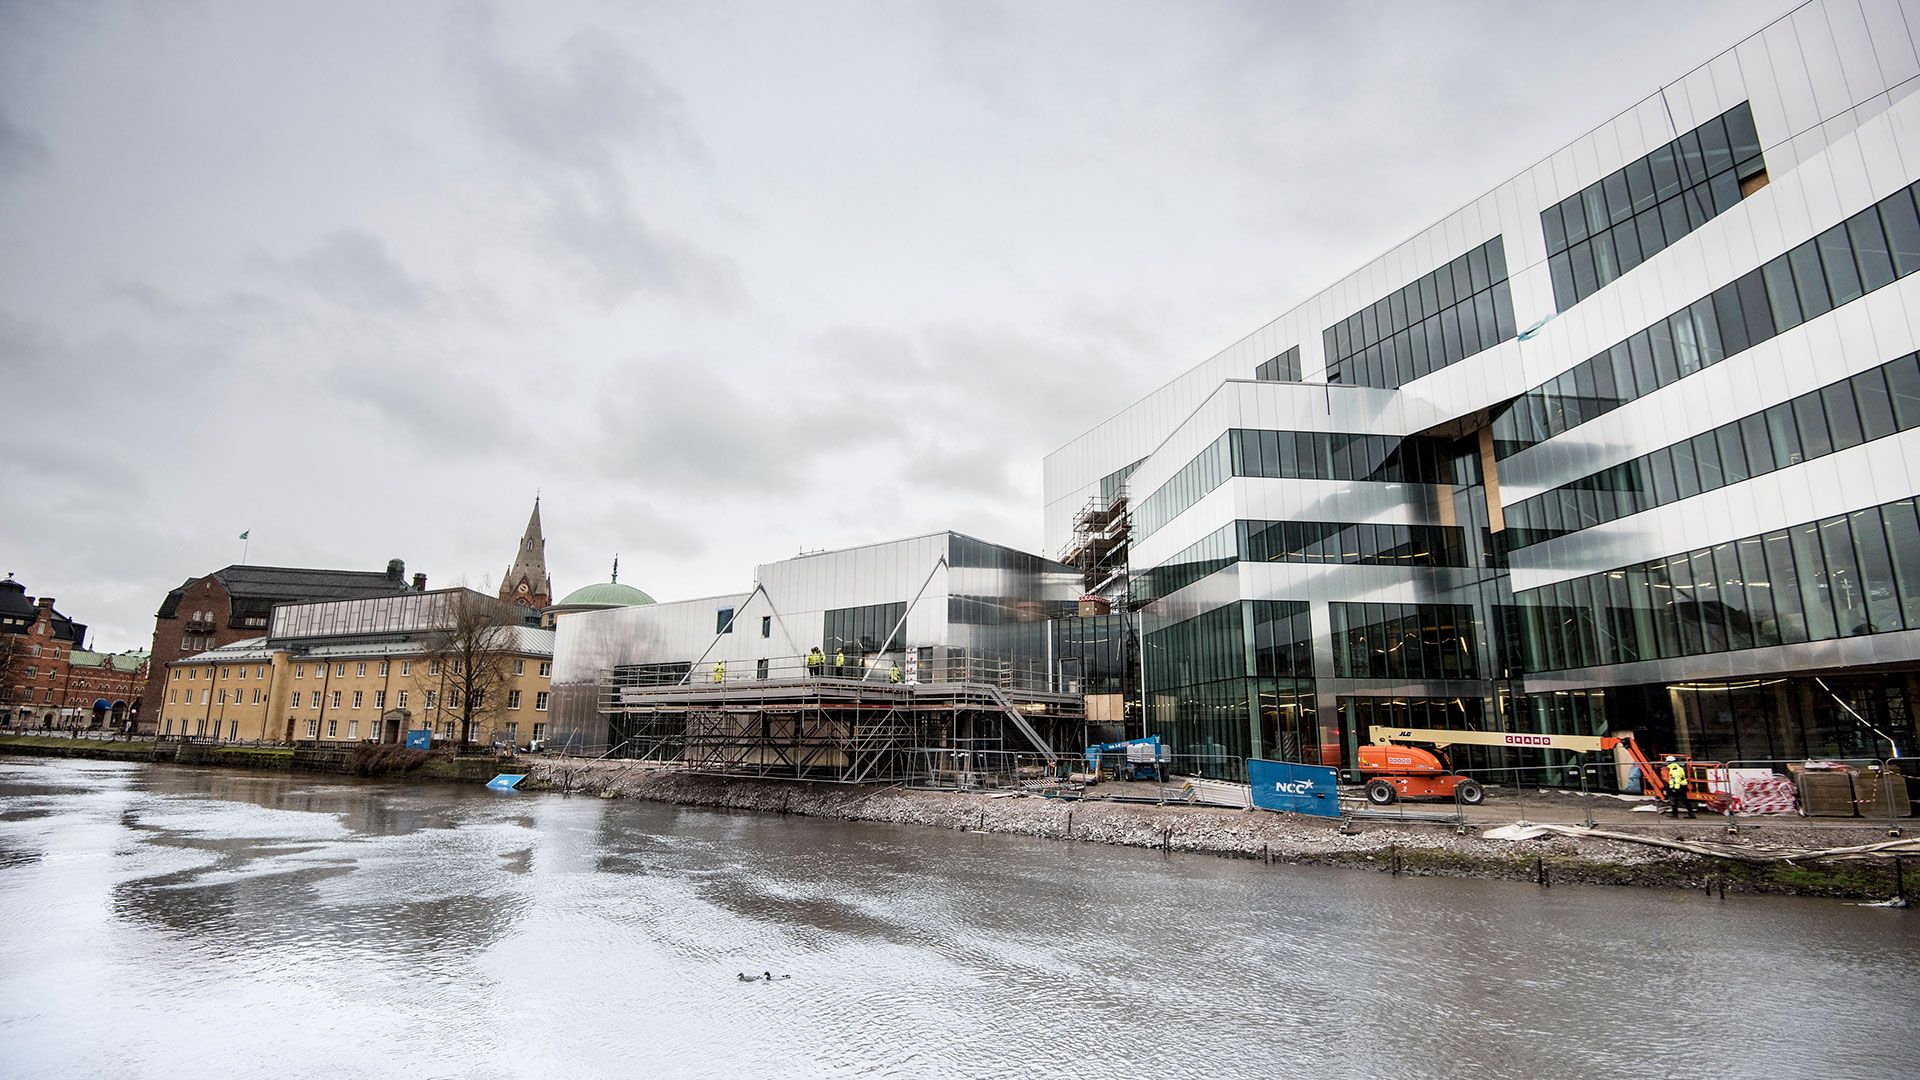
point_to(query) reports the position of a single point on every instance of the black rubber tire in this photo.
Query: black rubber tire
(1381, 793)
(1470, 793)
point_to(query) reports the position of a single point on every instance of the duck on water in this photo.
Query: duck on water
(765, 976)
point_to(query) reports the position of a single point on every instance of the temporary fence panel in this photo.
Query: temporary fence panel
(1298, 789)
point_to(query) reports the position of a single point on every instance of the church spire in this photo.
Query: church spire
(526, 582)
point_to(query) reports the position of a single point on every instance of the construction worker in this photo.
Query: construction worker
(816, 660)
(840, 660)
(894, 674)
(1674, 773)
(720, 671)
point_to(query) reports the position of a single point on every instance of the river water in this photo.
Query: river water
(163, 921)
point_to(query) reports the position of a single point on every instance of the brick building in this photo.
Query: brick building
(48, 678)
(235, 603)
(114, 678)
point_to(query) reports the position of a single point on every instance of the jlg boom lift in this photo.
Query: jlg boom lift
(1395, 770)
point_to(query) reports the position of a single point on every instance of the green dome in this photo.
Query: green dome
(605, 594)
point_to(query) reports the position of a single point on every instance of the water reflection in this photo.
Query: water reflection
(187, 921)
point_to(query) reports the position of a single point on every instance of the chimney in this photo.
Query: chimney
(396, 570)
(419, 583)
(46, 603)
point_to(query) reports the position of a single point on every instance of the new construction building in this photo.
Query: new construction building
(1625, 443)
(871, 663)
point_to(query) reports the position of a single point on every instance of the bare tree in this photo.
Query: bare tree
(475, 651)
(10, 652)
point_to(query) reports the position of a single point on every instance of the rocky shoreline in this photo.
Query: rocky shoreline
(1397, 847)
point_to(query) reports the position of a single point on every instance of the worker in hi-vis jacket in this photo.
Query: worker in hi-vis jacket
(1674, 772)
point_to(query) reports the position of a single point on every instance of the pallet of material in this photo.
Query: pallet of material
(1872, 789)
(1826, 793)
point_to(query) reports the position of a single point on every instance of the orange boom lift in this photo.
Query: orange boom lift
(1394, 770)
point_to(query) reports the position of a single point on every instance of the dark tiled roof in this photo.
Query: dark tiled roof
(15, 604)
(13, 600)
(255, 589)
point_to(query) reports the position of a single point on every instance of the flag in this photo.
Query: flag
(244, 535)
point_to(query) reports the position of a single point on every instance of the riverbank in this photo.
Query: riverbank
(1405, 847)
(373, 760)
(1437, 849)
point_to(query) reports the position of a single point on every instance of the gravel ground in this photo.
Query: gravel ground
(1406, 846)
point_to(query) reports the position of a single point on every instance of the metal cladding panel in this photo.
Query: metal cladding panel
(589, 644)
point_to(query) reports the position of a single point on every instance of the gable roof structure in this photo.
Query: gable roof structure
(255, 589)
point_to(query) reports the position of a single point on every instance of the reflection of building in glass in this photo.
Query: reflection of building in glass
(1626, 443)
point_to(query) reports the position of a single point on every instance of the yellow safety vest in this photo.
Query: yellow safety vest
(720, 672)
(840, 659)
(1677, 775)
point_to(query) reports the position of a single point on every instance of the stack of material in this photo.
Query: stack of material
(1764, 793)
(1873, 789)
(1826, 792)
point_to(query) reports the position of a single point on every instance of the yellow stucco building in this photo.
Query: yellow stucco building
(365, 671)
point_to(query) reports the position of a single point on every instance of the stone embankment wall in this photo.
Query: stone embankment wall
(393, 763)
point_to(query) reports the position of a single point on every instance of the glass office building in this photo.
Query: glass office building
(1625, 444)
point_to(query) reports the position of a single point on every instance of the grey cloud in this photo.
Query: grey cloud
(597, 102)
(352, 268)
(693, 430)
(619, 254)
(590, 125)
(22, 152)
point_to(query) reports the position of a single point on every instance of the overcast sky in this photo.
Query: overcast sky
(721, 281)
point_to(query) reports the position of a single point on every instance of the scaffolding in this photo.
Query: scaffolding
(1098, 549)
(842, 724)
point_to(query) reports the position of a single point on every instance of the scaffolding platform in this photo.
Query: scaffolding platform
(832, 728)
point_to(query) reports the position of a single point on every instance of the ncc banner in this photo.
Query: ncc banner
(1298, 789)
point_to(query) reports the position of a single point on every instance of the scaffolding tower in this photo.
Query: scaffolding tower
(1099, 546)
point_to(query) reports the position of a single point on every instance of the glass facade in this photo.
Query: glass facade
(1403, 642)
(1620, 221)
(863, 630)
(1348, 543)
(1237, 682)
(1306, 455)
(403, 614)
(1437, 321)
(1097, 652)
(1869, 250)
(1282, 368)
(1841, 576)
(1836, 417)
